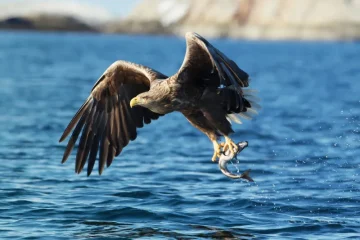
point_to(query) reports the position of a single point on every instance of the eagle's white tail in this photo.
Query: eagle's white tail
(250, 96)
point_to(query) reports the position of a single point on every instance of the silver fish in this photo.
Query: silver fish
(226, 157)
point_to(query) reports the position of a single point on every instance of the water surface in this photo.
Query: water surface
(303, 147)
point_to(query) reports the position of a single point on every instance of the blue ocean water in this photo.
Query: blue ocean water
(304, 146)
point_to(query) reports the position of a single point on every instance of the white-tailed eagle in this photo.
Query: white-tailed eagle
(207, 90)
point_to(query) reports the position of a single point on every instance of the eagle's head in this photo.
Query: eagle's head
(144, 99)
(155, 99)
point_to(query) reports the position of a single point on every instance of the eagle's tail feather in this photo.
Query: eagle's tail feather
(246, 108)
(233, 118)
(251, 103)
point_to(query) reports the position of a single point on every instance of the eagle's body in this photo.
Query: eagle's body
(207, 90)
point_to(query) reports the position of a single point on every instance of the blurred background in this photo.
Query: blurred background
(253, 19)
(304, 146)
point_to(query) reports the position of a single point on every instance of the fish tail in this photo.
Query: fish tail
(246, 175)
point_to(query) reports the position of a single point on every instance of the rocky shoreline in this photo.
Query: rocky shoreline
(44, 22)
(245, 19)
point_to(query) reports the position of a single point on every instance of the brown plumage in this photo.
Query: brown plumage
(207, 89)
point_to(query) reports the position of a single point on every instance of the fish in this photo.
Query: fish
(226, 157)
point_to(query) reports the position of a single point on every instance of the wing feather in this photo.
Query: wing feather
(111, 155)
(207, 66)
(74, 120)
(93, 154)
(105, 121)
(98, 132)
(75, 135)
(84, 139)
(202, 59)
(104, 147)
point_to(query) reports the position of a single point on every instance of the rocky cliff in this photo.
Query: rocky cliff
(45, 22)
(50, 15)
(250, 19)
(253, 19)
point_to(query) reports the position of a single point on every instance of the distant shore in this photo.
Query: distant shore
(44, 22)
(153, 25)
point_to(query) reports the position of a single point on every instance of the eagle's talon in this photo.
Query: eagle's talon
(229, 145)
(217, 151)
(215, 157)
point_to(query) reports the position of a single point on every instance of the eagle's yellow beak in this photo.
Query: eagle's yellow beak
(135, 101)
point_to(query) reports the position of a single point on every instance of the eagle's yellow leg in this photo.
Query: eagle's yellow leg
(229, 144)
(217, 150)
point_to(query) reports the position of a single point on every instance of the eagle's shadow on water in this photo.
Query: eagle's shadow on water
(109, 229)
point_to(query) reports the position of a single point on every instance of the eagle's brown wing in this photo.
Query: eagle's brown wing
(105, 120)
(207, 67)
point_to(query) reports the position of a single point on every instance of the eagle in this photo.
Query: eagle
(208, 89)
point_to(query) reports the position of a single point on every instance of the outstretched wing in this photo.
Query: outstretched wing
(203, 60)
(205, 65)
(105, 120)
